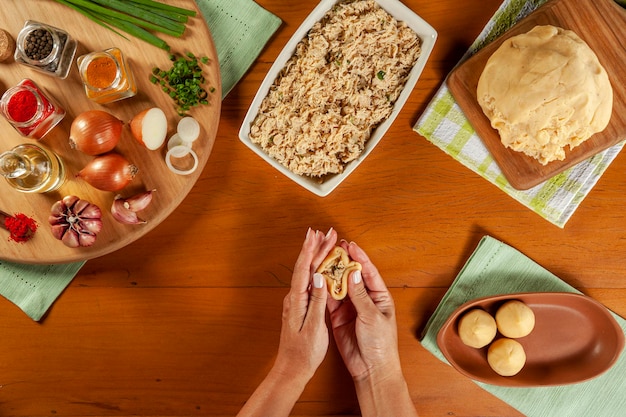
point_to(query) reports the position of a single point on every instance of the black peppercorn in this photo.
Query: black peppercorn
(45, 48)
(39, 44)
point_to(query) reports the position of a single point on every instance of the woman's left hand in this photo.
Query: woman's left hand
(304, 335)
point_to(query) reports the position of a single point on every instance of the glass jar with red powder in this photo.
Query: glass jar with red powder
(30, 110)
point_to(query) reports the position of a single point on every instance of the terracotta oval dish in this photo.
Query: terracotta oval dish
(575, 339)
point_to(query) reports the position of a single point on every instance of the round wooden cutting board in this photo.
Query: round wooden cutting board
(153, 172)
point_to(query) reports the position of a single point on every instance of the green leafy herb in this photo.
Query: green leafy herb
(380, 75)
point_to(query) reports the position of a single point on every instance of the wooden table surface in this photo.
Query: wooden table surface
(185, 321)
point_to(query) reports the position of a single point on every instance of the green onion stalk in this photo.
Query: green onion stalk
(138, 18)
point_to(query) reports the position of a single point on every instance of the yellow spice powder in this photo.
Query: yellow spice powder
(101, 72)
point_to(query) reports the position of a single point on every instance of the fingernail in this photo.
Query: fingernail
(308, 233)
(356, 276)
(329, 232)
(318, 280)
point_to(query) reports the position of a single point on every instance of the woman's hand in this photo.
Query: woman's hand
(303, 337)
(364, 325)
(304, 334)
(366, 334)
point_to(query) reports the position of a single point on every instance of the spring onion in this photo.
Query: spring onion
(166, 7)
(137, 18)
(183, 82)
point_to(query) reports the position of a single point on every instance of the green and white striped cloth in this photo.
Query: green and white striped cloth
(444, 124)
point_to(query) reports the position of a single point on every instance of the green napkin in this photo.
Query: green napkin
(444, 124)
(34, 288)
(240, 30)
(496, 268)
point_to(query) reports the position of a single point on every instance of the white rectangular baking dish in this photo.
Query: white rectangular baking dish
(400, 12)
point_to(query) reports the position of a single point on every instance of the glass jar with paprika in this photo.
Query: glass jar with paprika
(45, 48)
(32, 168)
(30, 110)
(106, 76)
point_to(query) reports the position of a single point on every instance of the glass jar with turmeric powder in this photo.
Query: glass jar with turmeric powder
(106, 76)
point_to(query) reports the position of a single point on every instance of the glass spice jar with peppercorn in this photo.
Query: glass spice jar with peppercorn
(31, 111)
(45, 48)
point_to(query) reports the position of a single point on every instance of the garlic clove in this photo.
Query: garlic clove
(123, 214)
(91, 226)
(86, 239)
(139, 201)
(70, 238)
(58, 230)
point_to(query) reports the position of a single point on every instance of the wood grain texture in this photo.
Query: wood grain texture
(185, 320)
(69, 92)
(602, 25)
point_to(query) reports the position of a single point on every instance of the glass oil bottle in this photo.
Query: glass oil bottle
(31, 168)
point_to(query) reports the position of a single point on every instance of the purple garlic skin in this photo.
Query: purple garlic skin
(75, 222)
(124, 210)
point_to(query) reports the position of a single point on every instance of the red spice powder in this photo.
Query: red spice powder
(22, 106)
(21, 227)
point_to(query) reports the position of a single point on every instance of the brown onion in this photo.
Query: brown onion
(109, 172)
(75, 222)
(95, 132)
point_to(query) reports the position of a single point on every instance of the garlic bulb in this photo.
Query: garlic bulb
(75, 222)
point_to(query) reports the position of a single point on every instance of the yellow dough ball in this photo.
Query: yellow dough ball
(506, 357)
(477, 328)
(515, 319)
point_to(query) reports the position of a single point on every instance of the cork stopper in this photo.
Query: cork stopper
(7, 45)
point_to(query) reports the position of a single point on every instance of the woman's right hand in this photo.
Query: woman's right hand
(366, 334)
(364, 324)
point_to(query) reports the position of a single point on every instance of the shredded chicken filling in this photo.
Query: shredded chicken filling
(335, 272)
(341, 83)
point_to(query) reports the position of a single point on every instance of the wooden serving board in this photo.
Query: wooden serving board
(600, 23)
(153, 172)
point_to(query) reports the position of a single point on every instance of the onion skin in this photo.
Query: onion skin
(95, 132)
(75, 222)
(109, 172)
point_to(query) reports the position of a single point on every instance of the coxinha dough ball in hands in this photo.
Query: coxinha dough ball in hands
(477, 328)
(506, 356)
(515, 319)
